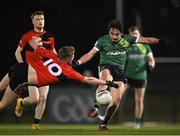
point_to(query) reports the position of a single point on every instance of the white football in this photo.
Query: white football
(103, 97)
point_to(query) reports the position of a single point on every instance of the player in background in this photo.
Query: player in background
(48, 69)
(140, 60)
(112, 48)
(37, 95)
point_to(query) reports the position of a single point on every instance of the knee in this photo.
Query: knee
(3, 86)
(43, 98)
(139, 102)
(35, 100)
(1, 106)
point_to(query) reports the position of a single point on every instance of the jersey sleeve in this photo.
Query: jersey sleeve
(74, 75)
(98, 45)
(23, 41)
(127, 40)
(52, 43)
(148, 49)
(132, 39)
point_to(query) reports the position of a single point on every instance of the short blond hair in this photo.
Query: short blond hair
(66, 51)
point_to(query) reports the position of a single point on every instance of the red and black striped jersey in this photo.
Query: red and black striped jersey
(50, 69)
(27, 49)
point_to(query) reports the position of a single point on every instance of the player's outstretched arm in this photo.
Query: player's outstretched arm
(149, 40)
(88, 56)
(93, 80)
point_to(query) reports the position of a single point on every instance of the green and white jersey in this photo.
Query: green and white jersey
(136, 62)
(114, 53)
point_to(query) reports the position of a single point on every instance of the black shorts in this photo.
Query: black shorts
(18, 74)
(137, 83)
(115, 72)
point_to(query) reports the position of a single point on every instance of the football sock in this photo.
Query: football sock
(36, 121)
(138, 120)
(105, 122)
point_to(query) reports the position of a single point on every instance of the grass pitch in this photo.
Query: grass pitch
(89, 130)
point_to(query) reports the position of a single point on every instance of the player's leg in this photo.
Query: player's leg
(40, 107)
(8, 98)
(104, 75)
(117, 94)
(4, 83)
(113, 106)
(33, 98)
(139, 105)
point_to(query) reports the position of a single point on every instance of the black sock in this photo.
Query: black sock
(105, 122)
(96, 104)
(138, 120)
(36, 121)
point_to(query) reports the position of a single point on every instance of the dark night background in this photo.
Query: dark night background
(81, 22)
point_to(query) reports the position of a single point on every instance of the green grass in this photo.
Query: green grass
(89, 130)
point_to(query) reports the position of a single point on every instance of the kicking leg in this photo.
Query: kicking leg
(104, 75)
(113, 106)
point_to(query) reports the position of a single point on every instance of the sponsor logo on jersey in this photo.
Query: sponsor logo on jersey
(136, 57)
(116, 53)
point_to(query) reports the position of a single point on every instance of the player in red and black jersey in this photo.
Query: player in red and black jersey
(25, 49)
(48, 69)
(23, 54)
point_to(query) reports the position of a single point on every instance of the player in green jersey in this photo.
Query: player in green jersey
(112, 48)
(140, 57)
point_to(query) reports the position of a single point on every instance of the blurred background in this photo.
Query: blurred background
(80, 23)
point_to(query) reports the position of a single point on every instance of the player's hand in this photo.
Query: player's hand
(169, 41)
(46, 36)
(112, 84)
(75, 63)
(34, 42)
(149, 67)
(162, 41)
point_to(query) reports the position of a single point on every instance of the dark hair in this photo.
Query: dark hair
(38, 12)
(116, 24)
(132, 28)
(66, 51)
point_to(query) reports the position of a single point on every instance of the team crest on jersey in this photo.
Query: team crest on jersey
(123, 42)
